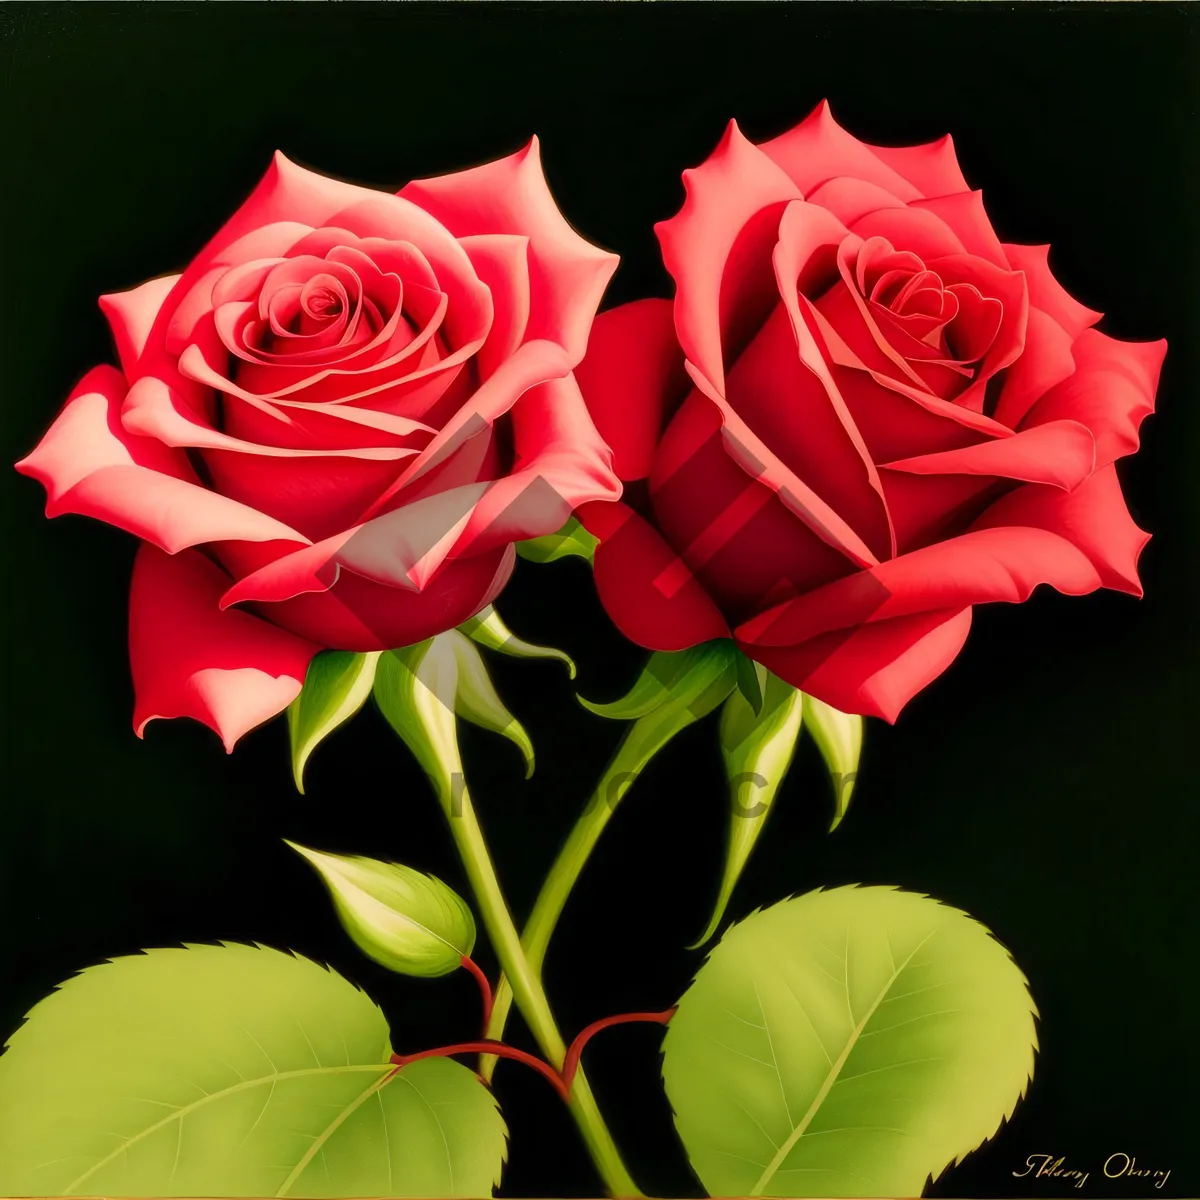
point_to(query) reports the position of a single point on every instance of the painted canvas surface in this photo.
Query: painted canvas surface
(619, 617)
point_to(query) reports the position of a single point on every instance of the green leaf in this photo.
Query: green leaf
(336, 687)
(839, 737)
(847, 1043)
(476, 699)
(757, 748)
(406, 920)
(232, 1071)
(671, 675)
(492, 633)
(571, 540)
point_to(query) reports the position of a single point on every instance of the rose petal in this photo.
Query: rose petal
(630, 560)
(1046, 360)
(131, 316)
(230, 671)
(568, 275)
(737, 187)
(819, 149)
(965, 216)
(502, 262)
(1112, 391)
(632, 378)
(1093, 519)
(1046, 293)
(984, 565)
(90, 464)
(875, 669)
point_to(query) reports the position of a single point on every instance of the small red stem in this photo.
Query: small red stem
(485, 988)
(488, 1046)
(571, 1062)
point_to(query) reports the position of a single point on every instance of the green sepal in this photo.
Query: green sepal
(758, 748)
(489, 630)
(668, 675)
(336, 686)
(415, 692)
(708, 680)
(476, 699)
(407, 921)
(750, 678)
(839, 737)
(572, 540)
(421, 689)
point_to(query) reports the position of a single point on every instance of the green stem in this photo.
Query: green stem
(546, 911)
(526, 988)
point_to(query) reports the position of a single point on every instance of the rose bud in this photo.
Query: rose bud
(407, 921)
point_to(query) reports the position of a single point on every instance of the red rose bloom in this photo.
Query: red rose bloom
(352, 404)
(862, 415)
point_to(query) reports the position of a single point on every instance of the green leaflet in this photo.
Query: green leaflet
(476, 699)
(757, 747)
(232, 1071)
(336, 687)
(406, 920)
(571, 540)
(847, 1043)
(492, 633)
(839, 737)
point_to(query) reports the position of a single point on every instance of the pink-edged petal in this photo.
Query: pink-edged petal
(985, 565)
(230, 671)
(153, 409)
(568, 275)
(1093, 519)
(1046, 361)
(91, 464)
(932, 167)
(848, 199)
(501, 260)
(720, 239)
(131, 316)
(1046, 293)
(917, 230)
(873, 670)
(632, 378)
(967, 219)
(1112, 391)
(1059, 454)
(533, 363)
(632, 563)
(819, 149)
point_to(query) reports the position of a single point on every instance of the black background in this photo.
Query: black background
(1045, 783)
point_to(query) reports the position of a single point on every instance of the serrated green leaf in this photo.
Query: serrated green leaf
(336, 686)
(476, 699)
(572, 540)
(839, 737)
(406, 920)
(757, 748)
(232, 1071)
(847, 1043)
(671, 674)
(489, 630)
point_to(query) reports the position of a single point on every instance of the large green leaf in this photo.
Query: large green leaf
(232, 1071)
(847, 1043)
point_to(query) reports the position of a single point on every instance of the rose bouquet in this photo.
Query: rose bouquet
(337, 429)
